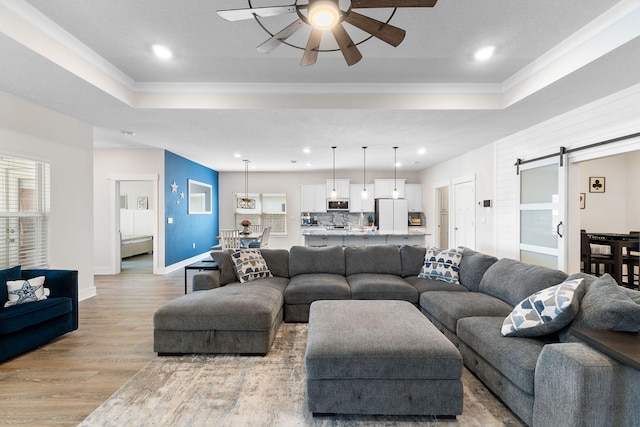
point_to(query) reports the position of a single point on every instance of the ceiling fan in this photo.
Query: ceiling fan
(328, 15)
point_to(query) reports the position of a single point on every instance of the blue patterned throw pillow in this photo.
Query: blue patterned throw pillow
(250, 265)
(546, 311)
(442, 264)
(23, 291)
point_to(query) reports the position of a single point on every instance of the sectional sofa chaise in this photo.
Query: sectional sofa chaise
(549, 379)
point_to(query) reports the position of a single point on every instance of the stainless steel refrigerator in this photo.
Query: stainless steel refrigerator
(392, 216)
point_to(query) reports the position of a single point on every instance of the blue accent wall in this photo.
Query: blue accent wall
(187, 229)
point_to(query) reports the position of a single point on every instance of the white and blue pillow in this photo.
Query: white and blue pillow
(23, 291)
(250, 265)
(545, 312)
(442, 264)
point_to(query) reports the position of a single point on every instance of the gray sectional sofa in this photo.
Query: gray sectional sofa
(549, 380)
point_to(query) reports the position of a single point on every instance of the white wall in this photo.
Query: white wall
(122, 164)
(289, 183)
(479, 163)
(617, 210)
(33, 132)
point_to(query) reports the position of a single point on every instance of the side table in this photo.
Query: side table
(200, 266)
(621, 346)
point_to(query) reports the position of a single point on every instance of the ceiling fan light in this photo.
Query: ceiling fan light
(324, 14)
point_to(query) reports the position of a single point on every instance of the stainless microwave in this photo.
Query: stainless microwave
(338, 205)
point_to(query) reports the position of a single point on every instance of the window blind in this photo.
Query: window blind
(24, 213)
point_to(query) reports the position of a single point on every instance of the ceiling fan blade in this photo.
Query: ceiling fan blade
(278, 38)
(313, 44)
(248, 13)
(385, 32)
(349, 50)
(357, 4)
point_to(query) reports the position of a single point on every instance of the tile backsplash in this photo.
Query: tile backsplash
(340, 218)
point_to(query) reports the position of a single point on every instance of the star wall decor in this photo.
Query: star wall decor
(174, 187)
(182, 194)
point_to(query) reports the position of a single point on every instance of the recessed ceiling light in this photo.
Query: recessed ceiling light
(161, 51)
(398, 164)
(484, 53)
(306, 150)
(308, 164)
(237, 155)
(422, 150)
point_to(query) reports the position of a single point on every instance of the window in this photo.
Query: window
(24, 213)
(269, 210)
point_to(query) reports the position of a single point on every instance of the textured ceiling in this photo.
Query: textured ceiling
(419, 94)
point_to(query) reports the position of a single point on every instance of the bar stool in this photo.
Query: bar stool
(631, 259)
(588, 258)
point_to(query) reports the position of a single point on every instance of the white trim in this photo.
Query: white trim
(177, 266)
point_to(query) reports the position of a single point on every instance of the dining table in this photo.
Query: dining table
(618, 243)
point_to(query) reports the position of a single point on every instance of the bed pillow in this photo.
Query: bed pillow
(250, 265)
(13, 273)
(546, 311)
(442, 264)
(24, 291)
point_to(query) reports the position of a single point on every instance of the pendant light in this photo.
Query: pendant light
(395, 193)
(334, 193)
(245, 203)
(365, 195)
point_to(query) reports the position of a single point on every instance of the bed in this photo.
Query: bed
(135, 245)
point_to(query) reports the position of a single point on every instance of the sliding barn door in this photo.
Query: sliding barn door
(543, 213)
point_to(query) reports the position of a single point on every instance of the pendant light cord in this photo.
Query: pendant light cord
(395, 168)
(364, 167)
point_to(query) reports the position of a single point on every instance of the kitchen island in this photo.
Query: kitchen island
(317, 236)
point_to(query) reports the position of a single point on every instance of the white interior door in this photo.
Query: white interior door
(464, 227)
(543, 213)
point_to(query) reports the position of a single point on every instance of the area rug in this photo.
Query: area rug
(230, 390)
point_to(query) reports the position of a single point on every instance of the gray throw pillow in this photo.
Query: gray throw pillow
(226, 266)
(607, 306)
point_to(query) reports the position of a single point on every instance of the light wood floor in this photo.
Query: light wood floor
(64, 381)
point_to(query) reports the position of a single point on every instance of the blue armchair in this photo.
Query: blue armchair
(28, 326)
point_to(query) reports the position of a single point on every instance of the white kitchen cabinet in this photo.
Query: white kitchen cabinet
(356, 204)
(384, 188)
(406, 240)
(322, 241)
(342, 188)
(313, 198)
(413, 194)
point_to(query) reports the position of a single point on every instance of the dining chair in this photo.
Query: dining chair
(264, 239)
(589, 259)
(257, 228)
(230, 239)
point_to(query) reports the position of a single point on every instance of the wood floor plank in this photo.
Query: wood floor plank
(62, 382)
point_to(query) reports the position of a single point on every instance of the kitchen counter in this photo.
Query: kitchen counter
(320, 236)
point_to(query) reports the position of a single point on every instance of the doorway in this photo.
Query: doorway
(442, 209)
(464, 226)
(134, 229)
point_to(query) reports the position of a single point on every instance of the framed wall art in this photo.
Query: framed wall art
(596, 184)
(582, 200)
(143, 203)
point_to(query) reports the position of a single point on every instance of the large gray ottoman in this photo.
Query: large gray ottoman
(379, 357)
